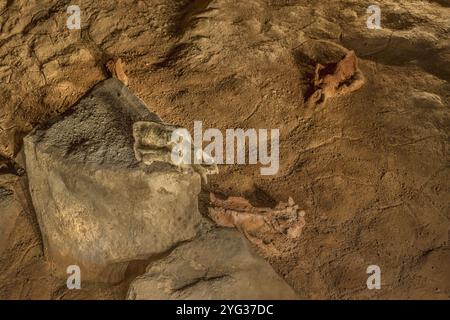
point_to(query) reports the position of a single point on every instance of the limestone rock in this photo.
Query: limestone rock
(97, 206)
(217, 265)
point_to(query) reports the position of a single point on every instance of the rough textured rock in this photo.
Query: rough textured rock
(155, 141)
(336, 79)
(259, 225)
(116, 67)
(370, 168)
(96, 205)
(217, 265)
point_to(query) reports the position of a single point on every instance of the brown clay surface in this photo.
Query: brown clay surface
(371, 167)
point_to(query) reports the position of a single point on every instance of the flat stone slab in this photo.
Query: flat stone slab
(217, 265)
(97, 206)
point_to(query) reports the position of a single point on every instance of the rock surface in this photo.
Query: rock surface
(217, 265)
(10, 208)
(97, 207)
(370, 167)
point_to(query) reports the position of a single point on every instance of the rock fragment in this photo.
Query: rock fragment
(10, 207)
(217, 265)
(116, 68)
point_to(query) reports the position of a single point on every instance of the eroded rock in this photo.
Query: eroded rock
(97, 206)
(116, 67)
(217, 265)
(13, 202)
(156, 141)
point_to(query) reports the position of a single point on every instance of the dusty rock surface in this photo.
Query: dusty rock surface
(96, 206)
(217, 265)
(371, 168)
(261, 226)
(10, 208)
